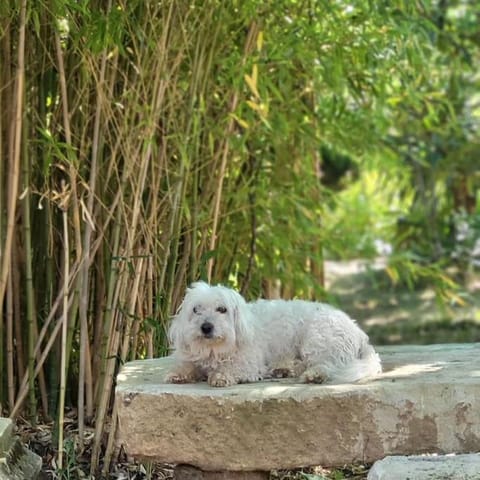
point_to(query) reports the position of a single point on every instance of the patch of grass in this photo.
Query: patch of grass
(354, 472)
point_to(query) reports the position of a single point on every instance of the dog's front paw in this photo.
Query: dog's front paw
(221, 379)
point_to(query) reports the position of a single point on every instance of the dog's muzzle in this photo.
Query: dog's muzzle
(207, 329)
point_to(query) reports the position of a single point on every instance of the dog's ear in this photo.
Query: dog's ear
(200, 285)
(174, 333)
(242, 319)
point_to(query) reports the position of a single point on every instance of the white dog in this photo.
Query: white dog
(220, 338)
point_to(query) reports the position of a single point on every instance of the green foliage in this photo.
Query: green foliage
(70, 471)
(436, 130)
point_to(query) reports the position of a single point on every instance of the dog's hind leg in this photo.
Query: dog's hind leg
(314, 375)
(322, 357)
(342, 362)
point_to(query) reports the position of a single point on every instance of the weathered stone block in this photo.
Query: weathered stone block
(427, 400)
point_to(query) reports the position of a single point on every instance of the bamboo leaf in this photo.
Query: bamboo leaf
(240, 121)
(252, 85)
(260, 41)
(255, 75)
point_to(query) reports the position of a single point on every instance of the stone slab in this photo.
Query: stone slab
(426, 401)
(427, 467)
(16, 461)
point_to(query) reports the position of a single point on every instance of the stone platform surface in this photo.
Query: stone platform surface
(426, 401)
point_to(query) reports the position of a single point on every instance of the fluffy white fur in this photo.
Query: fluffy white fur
(219, 337)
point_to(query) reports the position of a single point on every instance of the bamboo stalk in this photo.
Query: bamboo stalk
(41, 356)
(63, 364)
(84, 276)
(3, 341)
(14, 158)
(30, 296)
(17, 320)
(139, 274)
(9, 340)
(107, 458)
(149, 309)
(68, 138)
(51, 340)
(104, 354)
(110, 359)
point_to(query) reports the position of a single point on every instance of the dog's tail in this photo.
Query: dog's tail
(367, 365)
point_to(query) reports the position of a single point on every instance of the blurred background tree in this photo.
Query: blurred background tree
(145, 145)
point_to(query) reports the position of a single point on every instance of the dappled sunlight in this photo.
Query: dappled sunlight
(413, 369)
(395, 314)
(427, 294)
(278, 389)
(150, 371)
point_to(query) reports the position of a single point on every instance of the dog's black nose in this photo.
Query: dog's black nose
(207, 329)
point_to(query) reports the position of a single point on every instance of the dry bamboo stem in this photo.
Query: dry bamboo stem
(108, 321)
(84, 277)
(149, 306)
(17, 320)
(68, 138)
(9, 334)
(14, 163)
(63, 365)
(30, 297)
(107, 458)
(23, 390)
(111, 355)
(124, 352)
(139, 274)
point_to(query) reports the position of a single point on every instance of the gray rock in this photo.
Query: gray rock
(6, 434)
(427, 400)
(16, 461)
(427, 467)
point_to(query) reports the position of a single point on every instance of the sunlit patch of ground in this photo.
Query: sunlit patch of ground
(395, 314)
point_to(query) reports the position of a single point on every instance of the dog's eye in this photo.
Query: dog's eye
(196, 310)
(221, 309)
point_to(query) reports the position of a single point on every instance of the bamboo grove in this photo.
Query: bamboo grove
(145, 145)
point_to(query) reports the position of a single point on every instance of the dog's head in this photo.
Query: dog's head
(212, 320)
